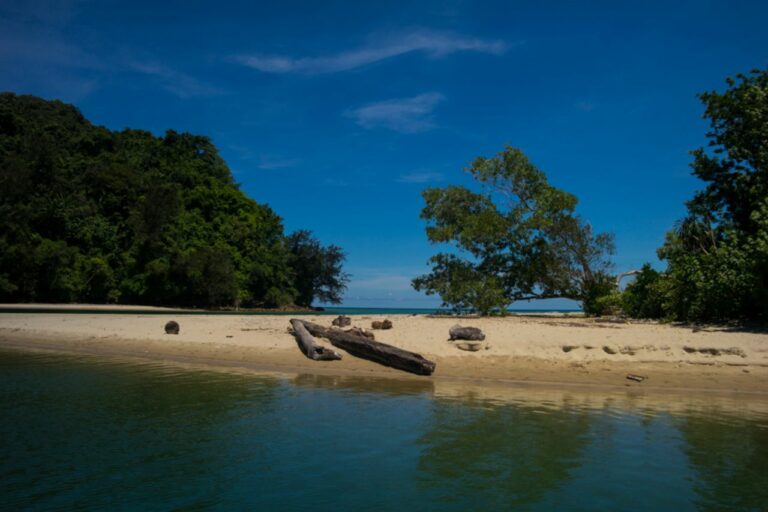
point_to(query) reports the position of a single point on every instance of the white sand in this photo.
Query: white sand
(520, 348)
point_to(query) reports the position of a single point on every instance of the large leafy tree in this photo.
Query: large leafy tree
(718, 254)
(518, 238)
(318, 269)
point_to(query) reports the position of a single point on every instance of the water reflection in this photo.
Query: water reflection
(81, 433)
(375, 385)
(502, 456)
(75, 430)
(729, 456)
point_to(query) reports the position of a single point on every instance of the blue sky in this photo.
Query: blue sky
(337, 114)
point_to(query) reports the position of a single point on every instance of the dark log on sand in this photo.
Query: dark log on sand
(376, 351)
(362, 332)
(308, 345)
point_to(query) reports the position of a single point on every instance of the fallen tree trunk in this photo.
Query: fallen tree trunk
(376, 351)
(308, 345)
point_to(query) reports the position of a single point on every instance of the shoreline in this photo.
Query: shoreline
(544, 351)
(524, 381)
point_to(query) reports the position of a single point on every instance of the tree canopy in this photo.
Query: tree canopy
(518, 238)
(319, 273)
(93, 215)
(717, 254)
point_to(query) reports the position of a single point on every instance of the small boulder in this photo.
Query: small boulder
(458, 332)
(361, 332)
(342, 321)
(172, 327)
(386, 324)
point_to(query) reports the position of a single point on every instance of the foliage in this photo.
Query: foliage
(318, 269)
(462, 286)
(92, 215)
(599, 297)
(643, 298)
(520, 235)
(717, 255)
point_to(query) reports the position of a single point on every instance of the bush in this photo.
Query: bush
(644, 297)
(599, 295)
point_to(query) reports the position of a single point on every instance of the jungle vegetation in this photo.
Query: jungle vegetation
(92, 215)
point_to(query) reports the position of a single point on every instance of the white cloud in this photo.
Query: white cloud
(176, 82)
(435, 44)
(420, 177)
(406, 115)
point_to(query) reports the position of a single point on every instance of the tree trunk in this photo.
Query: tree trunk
(623, 275)
(376, 351)
(308, 345)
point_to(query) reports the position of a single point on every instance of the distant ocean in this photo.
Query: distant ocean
(340, 310)
(424, 311)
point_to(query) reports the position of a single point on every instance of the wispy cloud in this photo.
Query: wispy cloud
(33, 39)
(33, 55)
(269, 162)
(420, 177)
(336, 182)
(34, 44)
(382, 283)
(176, 82)
(266, 161)
(585, 106)
(434, 44)
(53, 13)
(406, 115)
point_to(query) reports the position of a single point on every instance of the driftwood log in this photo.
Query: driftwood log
(308, 345)
(376, 351)
(361, 332)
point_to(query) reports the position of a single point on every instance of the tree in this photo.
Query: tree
(717, 255)
(642, 298)
(519, 238)
(318, 269)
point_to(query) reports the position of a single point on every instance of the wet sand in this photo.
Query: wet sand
(550, 350)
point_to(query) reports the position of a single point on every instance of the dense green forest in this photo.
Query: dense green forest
(93, 215)
(519, 238)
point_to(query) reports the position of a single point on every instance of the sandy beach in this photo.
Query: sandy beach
(541, 349)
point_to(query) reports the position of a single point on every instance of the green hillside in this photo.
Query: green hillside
(93, 215)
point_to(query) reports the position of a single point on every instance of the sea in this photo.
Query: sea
(335, 311)
(89, 433)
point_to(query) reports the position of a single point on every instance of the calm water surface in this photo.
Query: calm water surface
(82, 434)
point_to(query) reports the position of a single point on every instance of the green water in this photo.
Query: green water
(88, 434)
